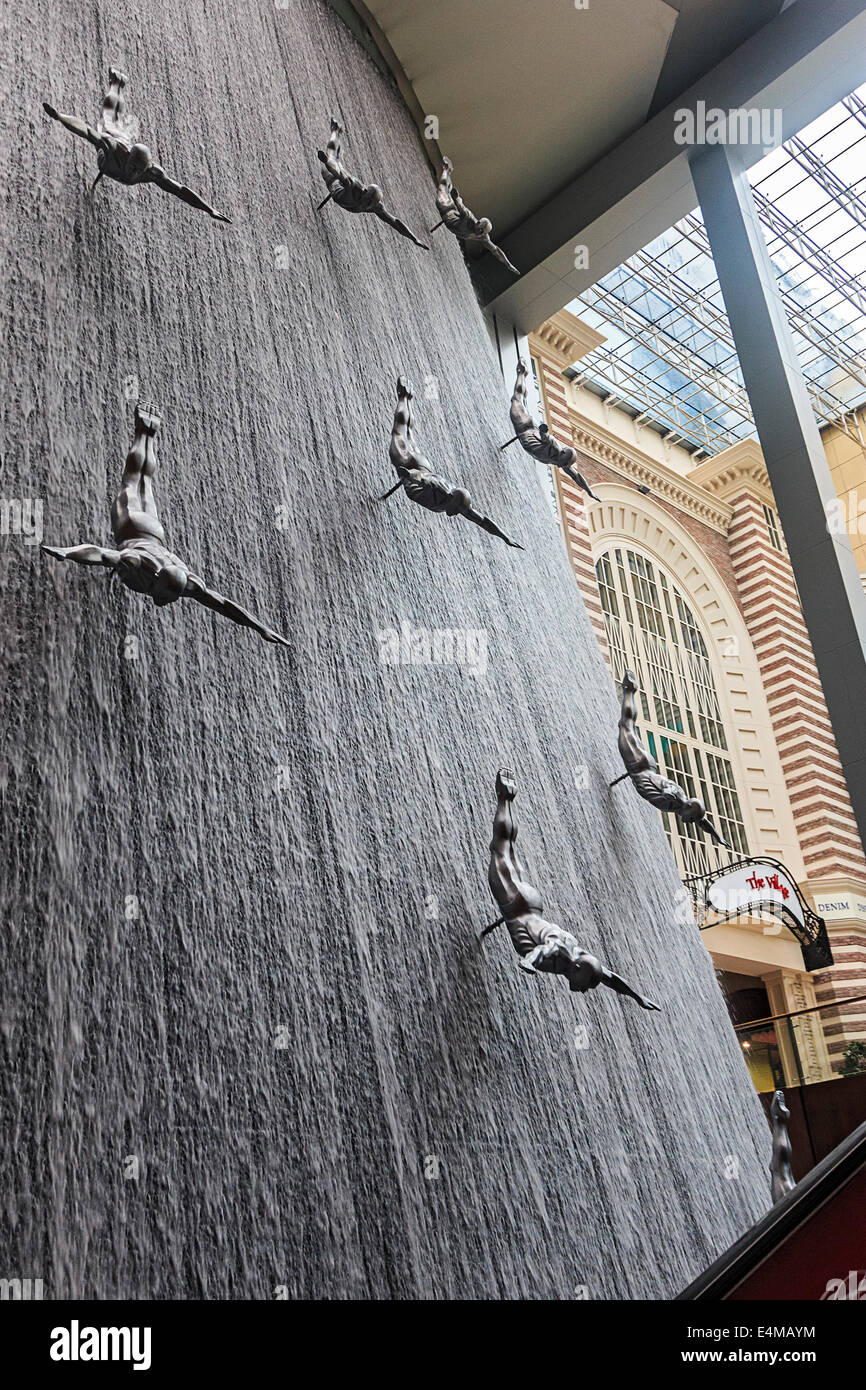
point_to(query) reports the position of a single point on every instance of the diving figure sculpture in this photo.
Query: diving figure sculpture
(537, 440)
(541, 945)
(455, 215)
(418, 480)
(781, 1175)
(352, 195)
(118, 154)
(644, 770)
(141, 560)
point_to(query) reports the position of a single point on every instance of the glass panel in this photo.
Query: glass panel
(795, 1049)
(773, 528)
(669, 352)
(763, 1058)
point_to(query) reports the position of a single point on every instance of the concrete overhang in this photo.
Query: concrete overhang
(554, 119)
(749, 951)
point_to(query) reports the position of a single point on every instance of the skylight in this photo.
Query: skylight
(669, 357)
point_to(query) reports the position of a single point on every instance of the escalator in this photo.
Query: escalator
(811, 1246)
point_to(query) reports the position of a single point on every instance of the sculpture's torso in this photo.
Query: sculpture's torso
(660, 792)
(460, 221)
(425, 488)
(155, 571)
(346, 196)
(124, 162)
(349, 193)
(530, 930)
(545, 448)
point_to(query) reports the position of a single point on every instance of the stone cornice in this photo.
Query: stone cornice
(832, 885)
(740, 468)
(665, 483)
(566, 338)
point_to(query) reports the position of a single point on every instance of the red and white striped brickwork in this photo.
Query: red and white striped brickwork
(767, 595)
(826, 828)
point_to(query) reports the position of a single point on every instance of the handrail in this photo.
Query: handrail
(795, 1013)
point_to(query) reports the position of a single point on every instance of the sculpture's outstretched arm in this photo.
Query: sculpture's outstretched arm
(617, 983)
(157, 175)
(385, 216)
(85, 554)
(391, 490)
(72, 123)
(487, 525)
(500, 255)
(707, 825)
(578, 478)
(197, 589)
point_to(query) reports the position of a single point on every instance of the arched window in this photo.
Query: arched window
(652, 629)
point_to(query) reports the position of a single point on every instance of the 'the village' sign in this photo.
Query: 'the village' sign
(755, 886)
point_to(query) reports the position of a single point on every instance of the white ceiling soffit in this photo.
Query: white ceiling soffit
(543, 87)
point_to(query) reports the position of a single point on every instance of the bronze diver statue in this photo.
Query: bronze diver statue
(541, 945)
(417, 478)
(644, 770)
(352, 195)
(781, 1175)
(455, 215)
(141, 560)
(537, 439)
(118, 154)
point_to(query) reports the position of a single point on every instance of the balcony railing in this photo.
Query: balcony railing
(791, 1049)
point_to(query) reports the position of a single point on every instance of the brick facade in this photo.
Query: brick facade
(720, 504)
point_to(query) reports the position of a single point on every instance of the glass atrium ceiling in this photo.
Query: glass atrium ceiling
(669, 357)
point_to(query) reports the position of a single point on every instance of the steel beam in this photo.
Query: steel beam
(825, 569)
